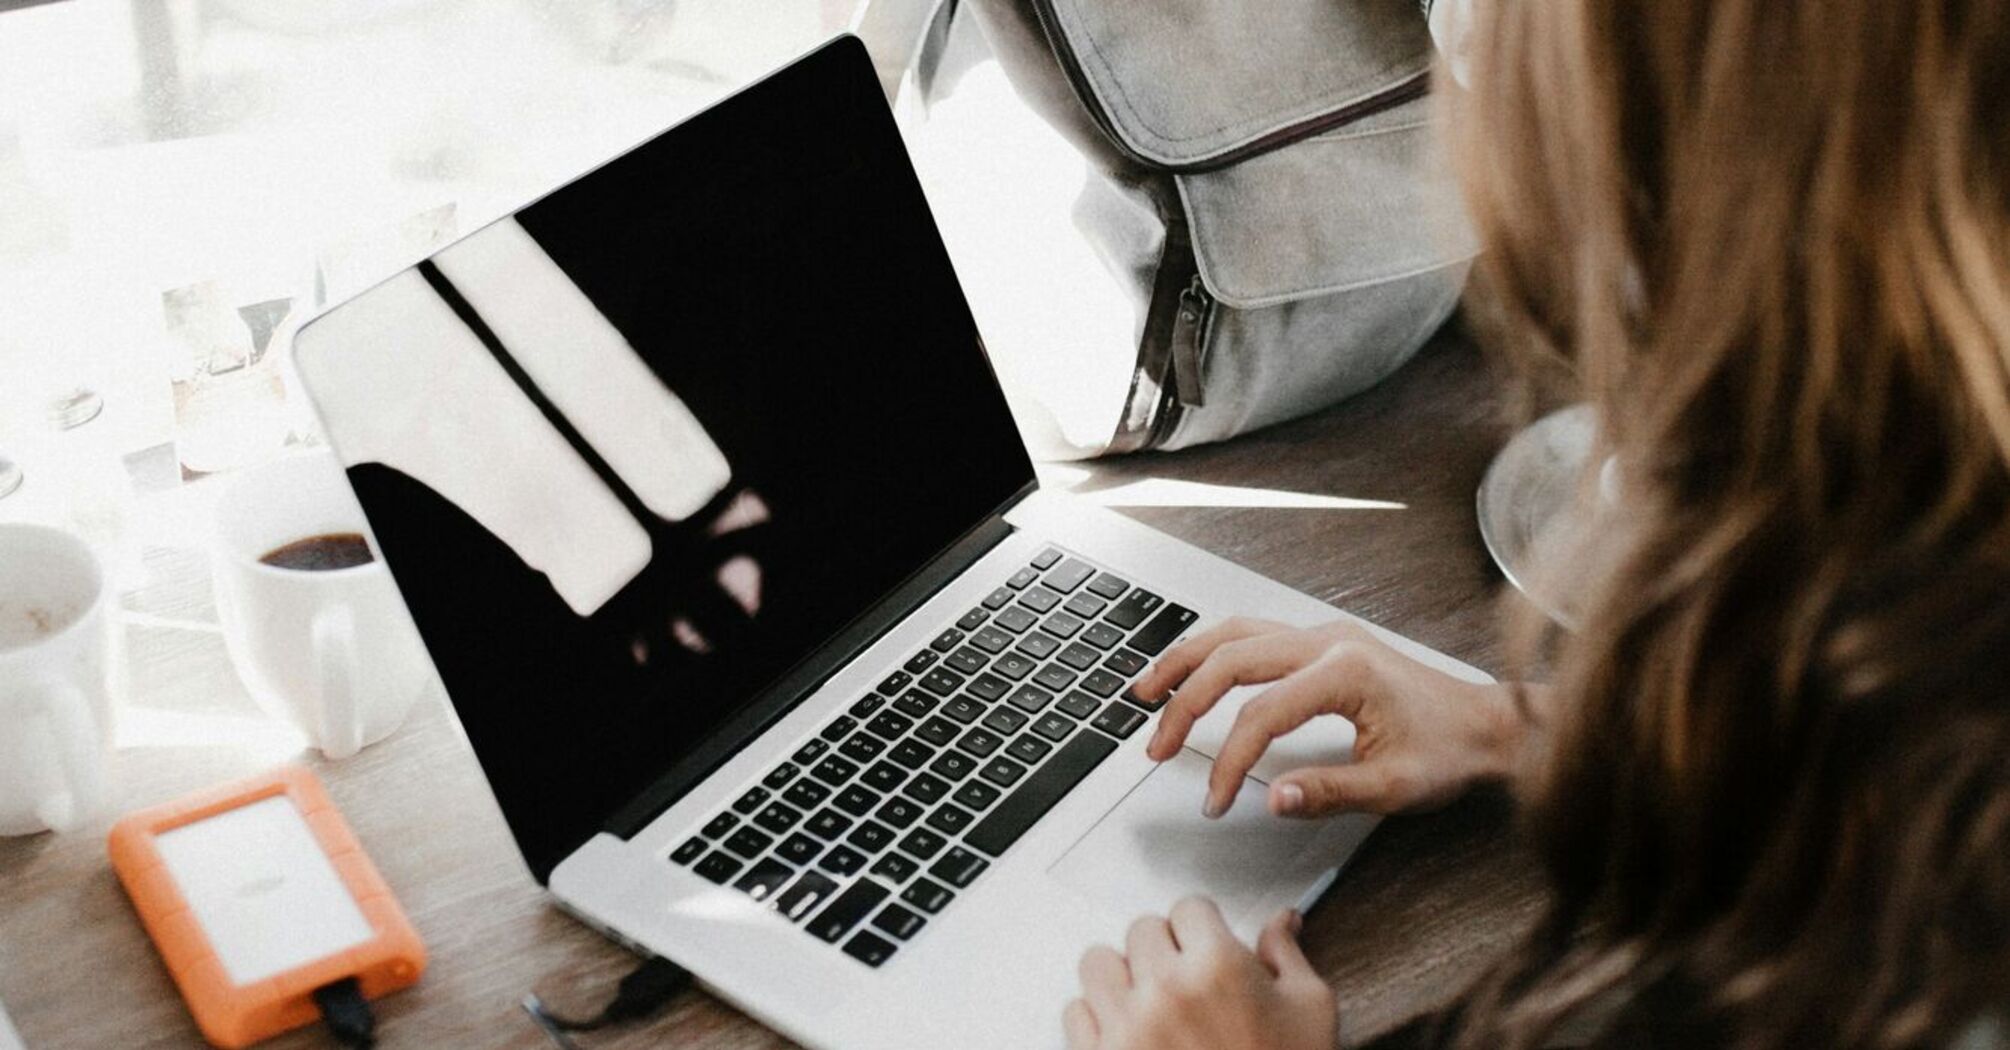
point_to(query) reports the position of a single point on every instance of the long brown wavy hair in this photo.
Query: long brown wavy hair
(1770, 241)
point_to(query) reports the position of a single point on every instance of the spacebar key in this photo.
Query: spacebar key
(1010, 818)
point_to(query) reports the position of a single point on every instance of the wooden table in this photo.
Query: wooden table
(1424, 906)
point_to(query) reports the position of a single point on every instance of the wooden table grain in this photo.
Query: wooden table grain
(1426, 904)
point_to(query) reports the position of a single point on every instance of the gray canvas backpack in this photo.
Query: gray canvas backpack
(1259, 180)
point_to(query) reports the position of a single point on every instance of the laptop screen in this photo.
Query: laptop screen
(638, 450)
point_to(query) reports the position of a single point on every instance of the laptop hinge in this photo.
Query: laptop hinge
(802, 681)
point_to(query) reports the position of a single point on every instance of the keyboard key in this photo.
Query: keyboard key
(1070, 575)
(1029, 749)
(779, 817)
(1102, 636)
(1014, 666)
(889, 724)
(754, 799)
(1134, 608)
(1078, 705)
(806, 794)
(926, 789)
(719, 825)
(964, 710)
(942, 681)
(991, 640)
(911, 753)
(866, 705)
(894, 683)
(938, 730)
(895, 868)
(717, 867)
(988, 687)
(898, 921)
(967, 660)
(1002, 771)
(1039, 645)
(1131, 695)
(1108, 586)
(1119, 720)
(1040, 599)
(1125, 662)
(921, 661)
(862, 747)
(842, 860)
(980, 742)
(810, 752)
(1016, 620)
(1030, 698)
(804, 895)
(781, 775)
(976, 795)
(828, 824)
(899, 812)
(837, 730)
(834, 770)
(869, 948)
(1079, 656)
(953, 765)
(799, 849)
(1055, 677)
(923, 843)
(749, 843)
(947, 640)
(856, 801)
(1004, 824)
(1086, 605)
(958, 867)
(915, 704)
(848, 910)
(870, 837)
(689, 851)
(1023, 579)
(950, 819)
(1053, 727)
(972, 620)
(884, 776)
(764, 880)
(1004, 721)
(928, 896)
(1062, 625)
(1153, 638)
(998, 599)
(1045, 559)
(1102, 683)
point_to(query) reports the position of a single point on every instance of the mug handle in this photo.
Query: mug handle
(65, 711)
(337, 669)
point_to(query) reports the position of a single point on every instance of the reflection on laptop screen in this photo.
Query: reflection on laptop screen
(635, 452)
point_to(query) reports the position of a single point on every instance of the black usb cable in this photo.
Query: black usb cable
(347, 1014)
(641, 993)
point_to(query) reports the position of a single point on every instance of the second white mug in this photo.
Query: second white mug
(331, 649)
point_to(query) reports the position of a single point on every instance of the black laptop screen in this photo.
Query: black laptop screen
(639, 450)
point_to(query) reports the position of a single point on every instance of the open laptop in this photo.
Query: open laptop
(701, 493)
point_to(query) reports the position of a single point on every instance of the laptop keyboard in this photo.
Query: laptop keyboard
(876, 823)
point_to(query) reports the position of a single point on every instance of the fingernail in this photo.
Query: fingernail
(1290, 798)
(1213, 808)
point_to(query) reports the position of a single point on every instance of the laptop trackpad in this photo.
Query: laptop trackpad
(1155, 847)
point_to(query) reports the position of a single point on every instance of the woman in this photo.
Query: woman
(1770, 780)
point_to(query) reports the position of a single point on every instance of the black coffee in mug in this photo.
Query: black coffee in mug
(334, 550)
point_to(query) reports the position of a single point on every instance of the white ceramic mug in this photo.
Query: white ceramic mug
(55, 686)
(333, 650)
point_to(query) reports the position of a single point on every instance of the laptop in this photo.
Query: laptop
(779, 661)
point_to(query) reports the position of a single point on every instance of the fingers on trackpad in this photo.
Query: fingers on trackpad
(1154, 847)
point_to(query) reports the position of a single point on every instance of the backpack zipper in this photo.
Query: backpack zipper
(1188, 334)
(1409, 89)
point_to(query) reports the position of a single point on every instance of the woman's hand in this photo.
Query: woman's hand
(1185, 983)
(1422, 737)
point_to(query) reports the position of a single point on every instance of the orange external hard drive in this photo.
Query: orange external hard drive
(257, 894)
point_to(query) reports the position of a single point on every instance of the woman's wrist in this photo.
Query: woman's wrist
(1500, 731)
